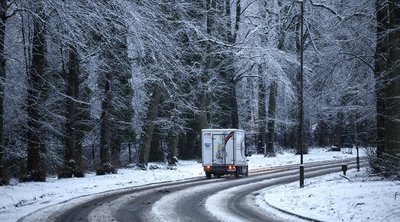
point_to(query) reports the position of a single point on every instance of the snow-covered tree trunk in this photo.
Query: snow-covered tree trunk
(273, 93)
(148, 129)
(36, 168)
(106, 127)
(73, 165)
(271, 119)
(387, 87)
(262, 113)
(3, 19)
(380, 76)
(392, 89)
(231, 36)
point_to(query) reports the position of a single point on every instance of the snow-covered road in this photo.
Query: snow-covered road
(226, 199)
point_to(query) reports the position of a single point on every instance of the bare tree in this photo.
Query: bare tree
(36, 168)
(387, 87)
(3, 17)
(73, 163)
(115, 72)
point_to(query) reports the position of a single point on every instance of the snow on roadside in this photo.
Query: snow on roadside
(20, 199)
(332, 197)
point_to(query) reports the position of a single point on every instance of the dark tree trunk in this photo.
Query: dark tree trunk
(148, 129)
(36, 148)
(232, 40)
(273, 94)
(235, 110)
(156, 149)
(105, 128)
(114, 78)
(262, 113)
(115, 151)
(73, 165)
(3, 16)
(201, 119)
(172, 149)
(234, 106)
(380, 79)
(321, 133)
(338, 141)
(387, 88)
(392, 89)
(187, 147)
(271, 119)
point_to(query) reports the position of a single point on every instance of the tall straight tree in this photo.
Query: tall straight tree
(36, 148)
(339, 75)
(116, 106)
(161, 65)
(149, 125)
(380, 69)
(3, 20)
(262, 113)
(200, 119)
(270, 151)
(387, 74)
(210, 20)
(273, 91)
(218, 65)
(67, 114)
(73, 163)
(228, 102)
(114, 80)
(192, 77)
(392, 119)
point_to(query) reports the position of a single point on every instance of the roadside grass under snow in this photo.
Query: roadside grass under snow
(359, 197)
(330, 198)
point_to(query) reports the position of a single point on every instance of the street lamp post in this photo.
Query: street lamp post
(301, 93)
(356, 133)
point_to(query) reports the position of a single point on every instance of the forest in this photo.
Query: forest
(97, 85)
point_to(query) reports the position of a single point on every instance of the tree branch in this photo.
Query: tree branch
(361, 59)
(327, 8)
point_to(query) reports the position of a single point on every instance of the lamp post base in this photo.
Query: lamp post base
(301, 176)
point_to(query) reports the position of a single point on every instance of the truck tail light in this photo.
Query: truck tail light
(207, 168)
(231, 168)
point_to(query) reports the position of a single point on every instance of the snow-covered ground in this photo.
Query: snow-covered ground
(358, 197)
(329, 198)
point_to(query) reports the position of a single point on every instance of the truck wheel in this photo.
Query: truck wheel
(237, 173)
(208, 175)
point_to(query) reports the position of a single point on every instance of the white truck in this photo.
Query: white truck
(224, 152)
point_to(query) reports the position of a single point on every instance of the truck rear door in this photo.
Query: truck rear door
(223, 152)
